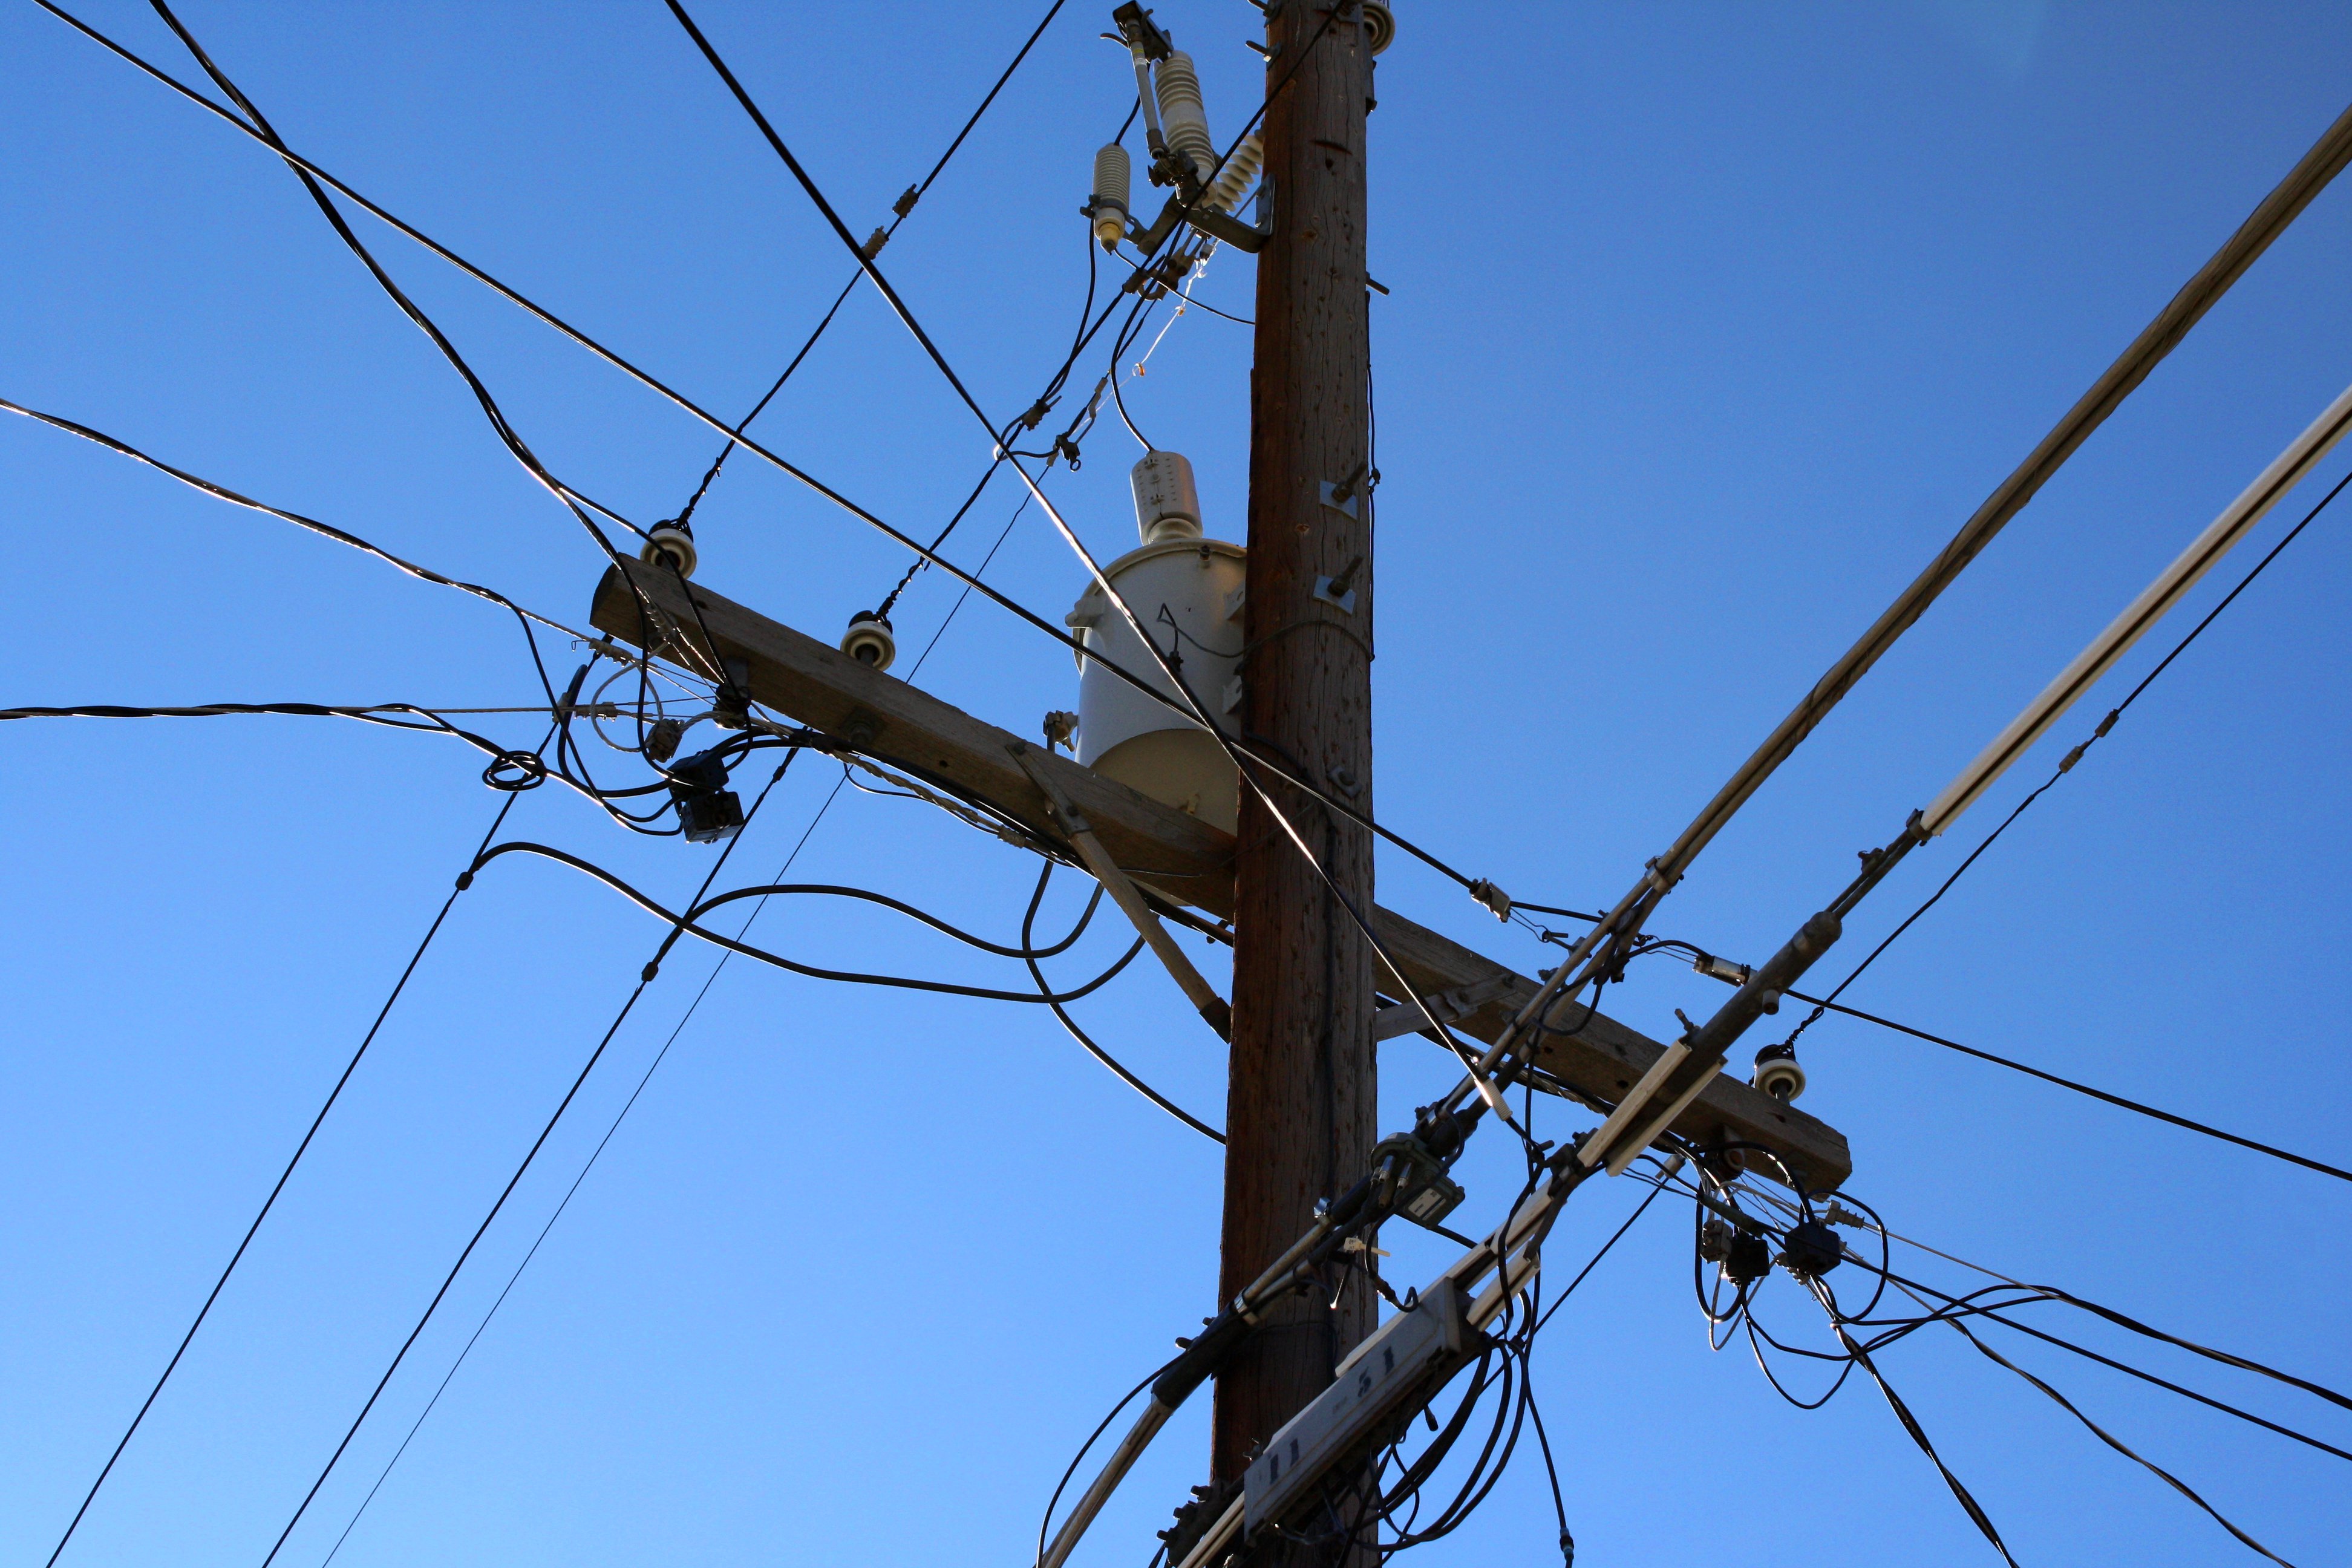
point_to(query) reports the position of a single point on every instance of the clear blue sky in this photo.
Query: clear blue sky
(1707, 326)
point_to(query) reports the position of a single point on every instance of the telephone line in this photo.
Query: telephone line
(899, 215)
(2099, 1094)
(697, 411)
(644, 979)
(2065, 766)
(464, 880)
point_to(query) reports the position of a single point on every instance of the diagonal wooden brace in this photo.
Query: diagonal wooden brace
(1123, 892)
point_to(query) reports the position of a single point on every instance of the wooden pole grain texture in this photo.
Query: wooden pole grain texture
(1300, 1115)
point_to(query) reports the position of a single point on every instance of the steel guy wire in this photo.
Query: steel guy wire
(464, 880)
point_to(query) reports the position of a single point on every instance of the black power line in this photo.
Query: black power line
(644, 979)
(2066, 765)
(901, 211)
(464, 880)
(653, 383)
(588, 1166)
(688, 924)
(2112, 1441)
(2100, 1094)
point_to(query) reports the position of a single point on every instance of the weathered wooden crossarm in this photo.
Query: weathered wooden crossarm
(1603, 1059)
(883, 717)
(1179, 855)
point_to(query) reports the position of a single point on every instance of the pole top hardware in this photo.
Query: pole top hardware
(1140, 33)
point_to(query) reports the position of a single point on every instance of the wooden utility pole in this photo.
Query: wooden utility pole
(1300, 1112)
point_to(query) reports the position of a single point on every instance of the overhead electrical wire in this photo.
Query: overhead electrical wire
(1191, 706)
(1885, 1332)
(644, 979)
(643, 377)
(324, 530)
(2111, 1440)
(374, 713)
(1046, 995)
(1660, 944)
(900, 212)
(464, 880)
(694, 410)
(685, 924)
(1919, 1433)
(595, 1154)
(2065, 766)
(2013, 1294)
(576, 502)
(2116, 1099)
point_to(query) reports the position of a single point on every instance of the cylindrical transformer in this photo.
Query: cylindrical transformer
(1187, 592)
(1111, 183)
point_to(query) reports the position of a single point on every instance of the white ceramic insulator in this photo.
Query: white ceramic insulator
(869, 642)
(668, 544)
(1112, 178)
(1167, 501)
(1182, 119)
(1241, 168)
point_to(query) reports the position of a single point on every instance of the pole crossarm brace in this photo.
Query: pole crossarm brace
(1122, 890)
(1174, 854)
